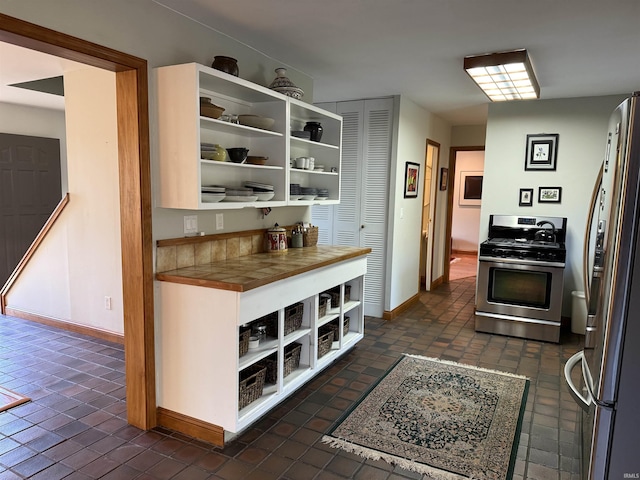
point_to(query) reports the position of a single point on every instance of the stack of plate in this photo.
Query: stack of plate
(318, 168)
(294, 191)
(263, 191)
(212, 151)
(308, 193)
(240, 195)
(213, 193)
(323, 194)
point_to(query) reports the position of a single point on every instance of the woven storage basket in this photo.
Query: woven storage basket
(291, 362)
(243, 347)
(335, 295)
(310, 237)
(334, 326)
(292, 320)
(251, 384)
(322, 307)
(325, 339)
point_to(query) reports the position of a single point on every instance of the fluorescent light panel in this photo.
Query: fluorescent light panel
(504, 76)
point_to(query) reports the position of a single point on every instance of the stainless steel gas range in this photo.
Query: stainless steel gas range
(520, 277)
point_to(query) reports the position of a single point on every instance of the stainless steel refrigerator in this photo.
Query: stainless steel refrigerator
(609, 391)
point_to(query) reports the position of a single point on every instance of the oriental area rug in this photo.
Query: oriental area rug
(442, 419)
(9, 399)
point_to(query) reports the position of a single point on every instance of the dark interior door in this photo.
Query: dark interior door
(29, 191)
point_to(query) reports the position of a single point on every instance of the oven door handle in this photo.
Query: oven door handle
(520, 261)
(583, 401)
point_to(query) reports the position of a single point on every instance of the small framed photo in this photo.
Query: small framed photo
(411, 173)
(470, 188)
(542, 152)
(549, 194)
(444, 178)
(526, 197)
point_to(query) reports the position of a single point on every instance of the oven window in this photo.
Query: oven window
(520, 287)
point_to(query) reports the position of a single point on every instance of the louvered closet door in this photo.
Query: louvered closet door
(375, 198)
(346, 226)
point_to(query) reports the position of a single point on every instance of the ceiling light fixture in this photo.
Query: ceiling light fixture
(504, 76)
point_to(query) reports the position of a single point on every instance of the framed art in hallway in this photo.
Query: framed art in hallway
(444, 178)
(542, 152)
(549, 194)
(470, 188)
(526, 197)
(412, 170)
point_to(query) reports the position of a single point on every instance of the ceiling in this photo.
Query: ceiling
(372, 48)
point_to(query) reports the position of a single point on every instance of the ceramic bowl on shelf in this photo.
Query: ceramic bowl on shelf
(237, 154)
(264, 196)
(256, 121)
(255, 160)
(208, 109)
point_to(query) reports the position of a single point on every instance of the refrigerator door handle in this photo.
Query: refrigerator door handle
(587, 235)
(583, 401)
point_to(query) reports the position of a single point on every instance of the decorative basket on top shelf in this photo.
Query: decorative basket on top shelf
(310, 237)
(251, 384)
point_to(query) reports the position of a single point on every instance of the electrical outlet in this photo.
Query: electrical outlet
(190, 224)
(107, 303)
(219, 221)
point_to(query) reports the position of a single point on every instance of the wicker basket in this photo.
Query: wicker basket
(251, 384)
(310, 237)
(291, 362)
(325, 339)
(322, 307)
(243, 347)
(335, 295)
(292, 320)
(334, 326)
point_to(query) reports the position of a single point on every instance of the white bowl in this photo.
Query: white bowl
(264, 196)
(254, 342)
(256, 121)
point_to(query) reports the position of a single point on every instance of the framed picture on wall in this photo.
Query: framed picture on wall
(542, 152)
(549, 194)
(526, 197)
(411, 173)
(444, 178)
(470, 188)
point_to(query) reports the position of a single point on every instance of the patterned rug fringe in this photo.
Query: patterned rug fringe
(471, 367)
(371, 454)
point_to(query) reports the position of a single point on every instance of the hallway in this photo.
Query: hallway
(75, 425)
(463, 265)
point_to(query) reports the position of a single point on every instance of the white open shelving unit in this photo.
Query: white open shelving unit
(181, 130)
(198, 341)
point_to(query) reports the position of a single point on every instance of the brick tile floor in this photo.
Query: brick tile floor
(75, 426)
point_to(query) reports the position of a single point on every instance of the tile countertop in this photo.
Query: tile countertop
(252, 271)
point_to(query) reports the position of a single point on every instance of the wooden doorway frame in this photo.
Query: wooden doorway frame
(453, 152)
(132, 93)
(433, 211)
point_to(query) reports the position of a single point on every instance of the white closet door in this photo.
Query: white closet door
(346, 226)
(374, 198)
(361, 217)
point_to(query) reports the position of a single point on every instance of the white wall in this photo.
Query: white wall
(37, 122)
(465, 224)
(414, 126)
(582, 126)
(79, 262)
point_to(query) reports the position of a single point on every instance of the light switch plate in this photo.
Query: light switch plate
(219, 221)
(190, 224)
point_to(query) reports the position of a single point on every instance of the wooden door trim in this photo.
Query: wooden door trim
(453, 151)
(132, 92)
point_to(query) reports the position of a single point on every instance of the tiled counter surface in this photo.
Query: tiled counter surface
(252, 271)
